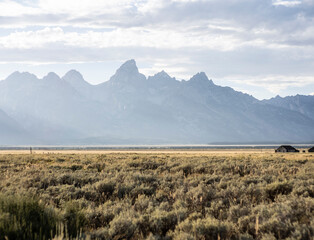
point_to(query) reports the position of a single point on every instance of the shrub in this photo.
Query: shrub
(162, 221)
(208, 228)
(122, 227)
(26, 218)
(274, 189)
(74, 219)
(158, 196)
(105, 188)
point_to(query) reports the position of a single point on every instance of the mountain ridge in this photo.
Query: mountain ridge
(139, 110)
(303, 104)
(161, 72)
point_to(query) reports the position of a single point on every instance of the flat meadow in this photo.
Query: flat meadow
(156, 194)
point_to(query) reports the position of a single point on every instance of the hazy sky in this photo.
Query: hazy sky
(262, 47)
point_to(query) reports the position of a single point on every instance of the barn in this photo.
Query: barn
(286, 148)
(311, 149)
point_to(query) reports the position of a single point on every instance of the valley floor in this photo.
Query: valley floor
(156, 194)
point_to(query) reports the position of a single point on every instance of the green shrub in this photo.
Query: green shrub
(26, 218)
(74, 219)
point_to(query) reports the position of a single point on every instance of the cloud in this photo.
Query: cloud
(12, 8)
(85, 7)
(244, 22)
(274, 83)
(286, 3)
(244, 38)
(132, 37)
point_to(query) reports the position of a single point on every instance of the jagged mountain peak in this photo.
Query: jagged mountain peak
(128, 67)
(201, 78)
(162, 79)
(278, 97)
(51, 76)
(73, 74)
(128, 72)
(21, 76)
(74, 77)
(162, 74)
(76, 80)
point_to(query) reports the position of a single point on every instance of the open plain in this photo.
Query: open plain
(156, 194)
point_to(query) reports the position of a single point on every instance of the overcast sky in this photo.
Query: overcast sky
(261, 47)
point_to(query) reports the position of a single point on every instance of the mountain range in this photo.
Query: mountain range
(132, 109)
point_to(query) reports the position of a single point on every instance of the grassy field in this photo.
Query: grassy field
(150, 194)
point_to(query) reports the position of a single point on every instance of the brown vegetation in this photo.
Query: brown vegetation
(157, 196)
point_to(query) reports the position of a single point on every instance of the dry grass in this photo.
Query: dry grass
(151, 194)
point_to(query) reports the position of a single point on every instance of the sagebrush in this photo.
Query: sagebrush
(157, 196)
